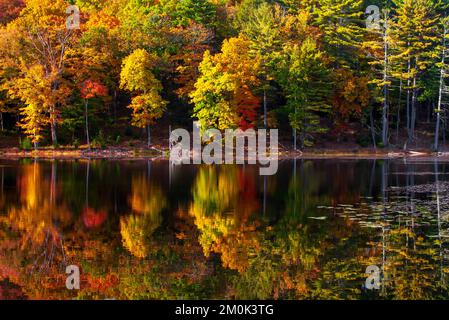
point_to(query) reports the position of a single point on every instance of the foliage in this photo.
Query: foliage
(302, 74)
(136, 76)
(135, 62)
(223, 97)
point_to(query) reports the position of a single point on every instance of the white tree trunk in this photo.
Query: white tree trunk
(440, 93)
(385, 87)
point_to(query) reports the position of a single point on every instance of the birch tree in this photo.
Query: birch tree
(379, 49)
(442, 87)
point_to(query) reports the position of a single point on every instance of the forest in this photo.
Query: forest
(372, 73)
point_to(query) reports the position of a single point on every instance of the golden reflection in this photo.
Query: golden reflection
(223, 201)
(38, 215)
(147, 201)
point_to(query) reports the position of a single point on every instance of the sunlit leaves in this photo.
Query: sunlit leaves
(137, 76)
(223, 95)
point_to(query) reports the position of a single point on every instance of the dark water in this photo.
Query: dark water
(148, 230)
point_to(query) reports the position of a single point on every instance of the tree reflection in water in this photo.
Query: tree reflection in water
(142, 230)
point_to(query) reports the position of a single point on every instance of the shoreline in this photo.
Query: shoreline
(163, 154)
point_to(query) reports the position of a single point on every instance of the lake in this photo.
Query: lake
(151, 230)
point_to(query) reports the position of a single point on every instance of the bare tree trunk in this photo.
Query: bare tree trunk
(54, 138)
(294, 140)
(413, 118)
(440, 94)
(398, 120)
(385, 88)
(408, 100)
(149, 135)
(87, 123)
(2, 128)
(53, 133)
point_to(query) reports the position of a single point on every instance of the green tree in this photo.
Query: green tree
(302, 75)
(262, 24)
(340, 23)
(379, 45)
(183, 12)
(416, 35)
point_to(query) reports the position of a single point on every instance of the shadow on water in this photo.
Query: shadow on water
(151, 230)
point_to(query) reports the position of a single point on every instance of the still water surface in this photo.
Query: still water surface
(149, 230)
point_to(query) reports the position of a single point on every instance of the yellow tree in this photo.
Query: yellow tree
(147, 105)
(223, 94)
(9, 51)
(36, 90)
(41, 35)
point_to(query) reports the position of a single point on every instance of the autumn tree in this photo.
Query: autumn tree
(137, 76)
(99, 53)
(263, 24)
(223, 95)
(196, 40)
(36, 90)
(43, 39)
(91, 90)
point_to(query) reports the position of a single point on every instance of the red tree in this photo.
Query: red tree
(89, 90)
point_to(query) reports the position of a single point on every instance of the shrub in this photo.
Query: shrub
(76, 143)
(25, 144)
(99, 141)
